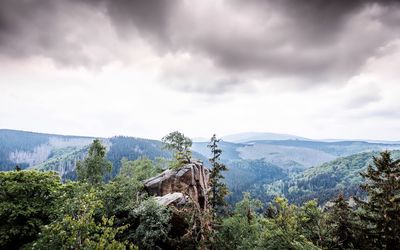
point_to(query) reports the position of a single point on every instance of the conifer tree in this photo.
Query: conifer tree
(342, 224)
(380, 214)
(94, 167)
(218, 188)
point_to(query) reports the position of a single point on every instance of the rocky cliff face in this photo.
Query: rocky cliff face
(177, 186)
(185, 191)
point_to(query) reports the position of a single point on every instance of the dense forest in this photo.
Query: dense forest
(265, 168)
(101, 210)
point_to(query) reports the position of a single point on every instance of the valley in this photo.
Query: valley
(291, 166)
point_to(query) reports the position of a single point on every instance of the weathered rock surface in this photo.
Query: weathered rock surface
(176, 186)
(177, 199)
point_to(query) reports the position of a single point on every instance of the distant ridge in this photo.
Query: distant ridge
(25, 132)
(361, 140)
(260, 136)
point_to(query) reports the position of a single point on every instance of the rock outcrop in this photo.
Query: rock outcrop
(177, 199)
(175, 189)
(177, 186)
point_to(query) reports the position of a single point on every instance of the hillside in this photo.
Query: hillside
(60, 153)
(28, 149)
(248, 175)
(324, 182)
(253, 165)
(292, 154)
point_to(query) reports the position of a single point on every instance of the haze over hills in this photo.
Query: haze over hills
(286, 151)
(255, 164)
(258, 136)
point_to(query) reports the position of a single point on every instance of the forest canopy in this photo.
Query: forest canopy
(40, 211)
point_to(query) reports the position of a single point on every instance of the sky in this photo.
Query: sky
(314, 68)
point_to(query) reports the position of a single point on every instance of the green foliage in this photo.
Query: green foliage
(342, 225)
(125, 194)
(28, 200)
(132, 149)
(243, 229)
(380, 213)
(77, 227)
(63, 160)
(140, 169)
(153, 228)
(126, 190)
(251, 176)
(247, 206)
(313, 223)
(237, 232)
(218, 189)
(37, 211)
(94, 167)
(278, 229)
(31, 148)
(12, 141)
(283, 230)
(180, 145)
(324, 182)
(120, 196)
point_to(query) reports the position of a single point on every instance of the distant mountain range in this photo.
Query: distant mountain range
(258, 162)
(258, 136)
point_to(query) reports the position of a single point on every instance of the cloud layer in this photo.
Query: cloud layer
(312, 42)
(317, 68)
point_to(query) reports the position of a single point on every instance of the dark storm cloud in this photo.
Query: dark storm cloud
(316, 39)
(38, 28)
(319, 40)
(54, 28)
(150, 17)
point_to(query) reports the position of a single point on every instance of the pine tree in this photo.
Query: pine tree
(94, 167)
(218, 188)
(341, 224)
(380, 214)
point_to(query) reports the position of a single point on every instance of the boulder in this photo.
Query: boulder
(177, 199)
(191, 180)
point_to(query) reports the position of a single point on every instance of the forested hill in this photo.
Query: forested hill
(60, 152)
(324, 182)
(28, 149)
(257, 166)
(293, 154)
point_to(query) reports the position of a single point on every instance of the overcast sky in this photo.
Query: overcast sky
(314, 68)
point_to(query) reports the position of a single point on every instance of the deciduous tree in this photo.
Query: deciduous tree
(28, 200)
(180, 145)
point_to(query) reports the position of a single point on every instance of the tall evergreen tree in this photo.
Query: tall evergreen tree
(342, 225)
(380, 214)
(218, 188)
(94, 167)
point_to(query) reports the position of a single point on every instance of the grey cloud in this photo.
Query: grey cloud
(320, 44)
(41, 28)
(150, 18)
(391, 113)
(217, 86)
(361, 100)
(66, 31)
(319, 40)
